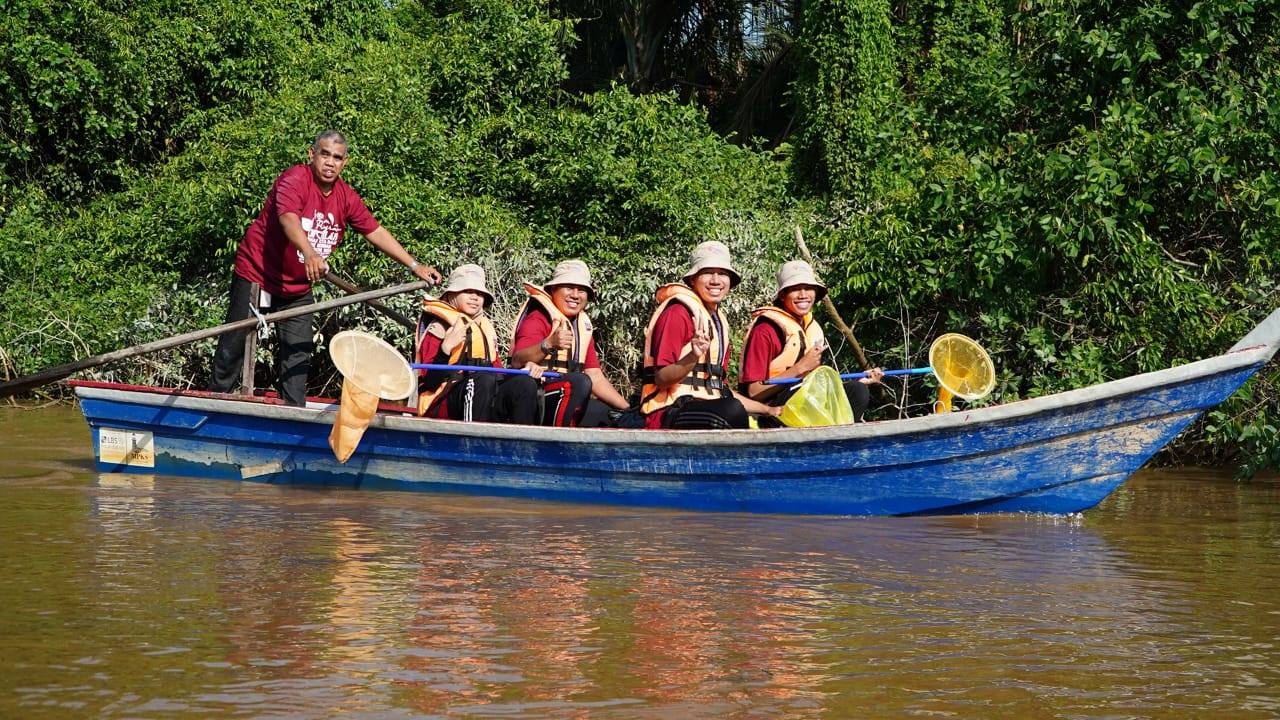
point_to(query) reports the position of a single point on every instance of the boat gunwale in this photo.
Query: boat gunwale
(1254, 355)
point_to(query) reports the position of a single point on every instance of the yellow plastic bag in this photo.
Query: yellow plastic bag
(821, 400)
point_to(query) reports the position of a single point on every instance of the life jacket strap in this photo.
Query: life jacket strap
(648, 376)
(564, 367)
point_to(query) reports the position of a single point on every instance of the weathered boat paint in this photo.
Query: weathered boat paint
(1059, 454)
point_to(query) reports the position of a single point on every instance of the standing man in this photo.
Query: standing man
(284, 250)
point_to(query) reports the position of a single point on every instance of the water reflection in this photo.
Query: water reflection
(130, 496)
(766, 612)
(153, 596)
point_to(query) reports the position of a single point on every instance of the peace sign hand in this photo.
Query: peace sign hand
(701, 342)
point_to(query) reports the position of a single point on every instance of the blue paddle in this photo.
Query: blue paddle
(478, 368)
(855, 376)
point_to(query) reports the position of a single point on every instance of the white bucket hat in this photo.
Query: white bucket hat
(798, 272)
(711, 254)
(468, 277)
(572, 272)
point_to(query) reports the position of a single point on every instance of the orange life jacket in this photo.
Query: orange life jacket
(565, 359)
(706, 380)
(799, 335)
(478, 347)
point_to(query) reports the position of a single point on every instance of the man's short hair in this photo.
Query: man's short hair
(333, 135)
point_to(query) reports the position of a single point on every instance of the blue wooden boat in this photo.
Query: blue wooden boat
(1061, 453)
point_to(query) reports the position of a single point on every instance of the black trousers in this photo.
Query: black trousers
(565, 399)
(596, 414)
(294, 345)
(485, 397)
(720, 414)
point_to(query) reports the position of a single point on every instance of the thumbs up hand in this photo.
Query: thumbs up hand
(561, 336)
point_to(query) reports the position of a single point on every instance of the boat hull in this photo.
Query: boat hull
(1059, 454)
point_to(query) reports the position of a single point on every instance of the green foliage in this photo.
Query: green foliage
(1244, 428)
(846, 85)
(463, 147)
(92, 91)
(1091, 191)
(630, 184)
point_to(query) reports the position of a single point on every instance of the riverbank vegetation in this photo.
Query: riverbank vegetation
(1087, 188)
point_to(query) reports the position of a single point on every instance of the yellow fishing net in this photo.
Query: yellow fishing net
(371, 369)
(962, 366)
(820, 400)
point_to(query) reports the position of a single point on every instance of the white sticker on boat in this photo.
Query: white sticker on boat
(126, 447)
(252, 471)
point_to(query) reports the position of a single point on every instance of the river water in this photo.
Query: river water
(153, 597)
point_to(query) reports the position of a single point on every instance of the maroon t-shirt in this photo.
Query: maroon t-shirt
(266, 256)
(763, 344)
(671, 333)
(535, 326)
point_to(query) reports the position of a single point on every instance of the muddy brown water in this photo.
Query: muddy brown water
(154, 597)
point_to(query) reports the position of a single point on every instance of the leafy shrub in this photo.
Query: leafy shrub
(463, 147)
(1089, 189)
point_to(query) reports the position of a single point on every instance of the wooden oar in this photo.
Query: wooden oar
(831, 308)
(54, 374)
(353, 289)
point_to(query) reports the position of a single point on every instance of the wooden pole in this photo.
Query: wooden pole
(54, 374)
(831, 308)
(250, 359)
(352, 288)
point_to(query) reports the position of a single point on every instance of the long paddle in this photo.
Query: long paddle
(855, 376)
(478, 368)
(831, 308)
(54, 374)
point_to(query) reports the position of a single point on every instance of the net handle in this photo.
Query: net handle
(984, 364)
(855, 375)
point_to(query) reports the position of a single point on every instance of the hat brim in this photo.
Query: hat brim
(821, 291)
(488, 298)
(591, 292)
(734, 277)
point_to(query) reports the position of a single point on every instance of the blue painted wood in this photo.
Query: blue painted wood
(1059, 454)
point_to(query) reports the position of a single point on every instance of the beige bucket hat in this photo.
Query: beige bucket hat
(572, 272)
(711, 254)
(468, 277)
(798, 272)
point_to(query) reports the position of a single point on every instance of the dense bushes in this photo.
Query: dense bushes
(464, 148)
(92, 92)
(1088, 187)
